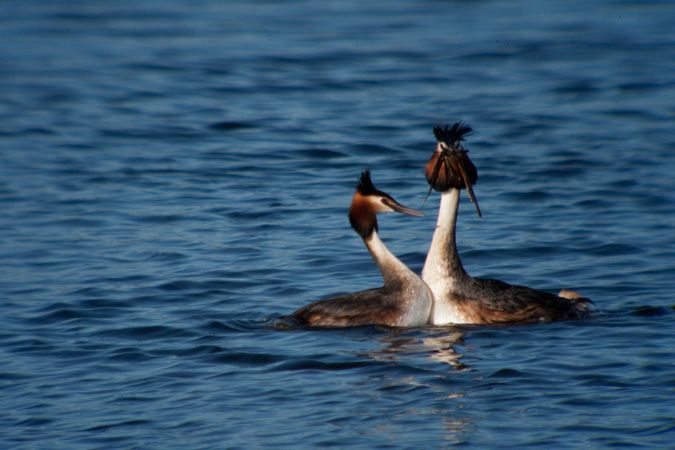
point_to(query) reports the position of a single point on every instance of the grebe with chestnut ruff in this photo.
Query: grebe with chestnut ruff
(458, 297)
(403, 301)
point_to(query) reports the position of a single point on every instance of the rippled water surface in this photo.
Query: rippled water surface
(175, 177)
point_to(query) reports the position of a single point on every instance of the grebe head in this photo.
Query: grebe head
(368, 201)
(450, 166)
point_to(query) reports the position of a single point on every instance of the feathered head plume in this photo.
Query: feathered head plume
(450, 166)
(452, 136)
(365, 185)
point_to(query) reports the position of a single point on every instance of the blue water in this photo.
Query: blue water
(175, 176)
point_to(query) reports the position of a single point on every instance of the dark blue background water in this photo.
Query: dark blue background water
(175, 176)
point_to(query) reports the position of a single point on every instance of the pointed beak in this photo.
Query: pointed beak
(396, 206)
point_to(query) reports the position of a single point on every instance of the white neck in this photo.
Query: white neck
(443, 270)
(443, 252)
(401, 285)
(391, 268)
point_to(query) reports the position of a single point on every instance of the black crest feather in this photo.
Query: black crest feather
(452, 136)
(366, 186)
(362, 220)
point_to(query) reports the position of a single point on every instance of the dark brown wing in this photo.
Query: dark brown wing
(488, 301)
(371, 307)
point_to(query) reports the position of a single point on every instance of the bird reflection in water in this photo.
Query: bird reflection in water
(438, 345)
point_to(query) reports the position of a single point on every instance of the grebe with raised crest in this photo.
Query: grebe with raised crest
(458, 297)
(403, 301)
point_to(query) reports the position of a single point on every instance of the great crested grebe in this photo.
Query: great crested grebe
(403, 301)
(459, 298)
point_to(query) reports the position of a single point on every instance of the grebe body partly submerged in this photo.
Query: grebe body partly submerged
(404, 300)
(458, 297)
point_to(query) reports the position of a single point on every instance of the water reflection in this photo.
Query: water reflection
(438, 345)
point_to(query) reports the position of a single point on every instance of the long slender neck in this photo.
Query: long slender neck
(391, 268)
(443, 259)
